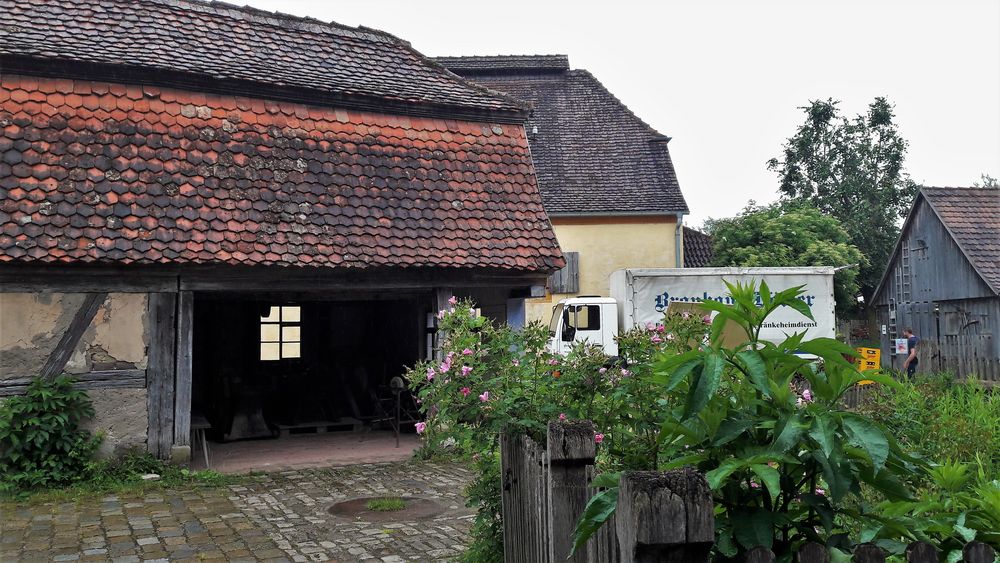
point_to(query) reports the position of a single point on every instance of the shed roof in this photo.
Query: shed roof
(229, 48)
(972, 218)
(593, 156)
(107, 172)
(697, 248)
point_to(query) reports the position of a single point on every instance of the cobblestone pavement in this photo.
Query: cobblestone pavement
(274, 517)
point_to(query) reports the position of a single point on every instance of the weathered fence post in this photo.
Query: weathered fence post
(921, 552)
(665, 517)
(978, 552)
(571, 449)
(813, 552)
(869, 553)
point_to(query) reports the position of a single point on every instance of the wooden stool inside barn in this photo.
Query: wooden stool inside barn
(199, 425)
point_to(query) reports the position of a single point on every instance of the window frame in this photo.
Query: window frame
(282, 338)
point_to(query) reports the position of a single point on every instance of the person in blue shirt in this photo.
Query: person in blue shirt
(910, 364)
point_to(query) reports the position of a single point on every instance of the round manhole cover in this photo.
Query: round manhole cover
(415, 509)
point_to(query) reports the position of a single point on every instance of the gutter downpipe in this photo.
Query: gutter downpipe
(678, 241)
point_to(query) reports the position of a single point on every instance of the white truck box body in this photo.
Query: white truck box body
(643, 295)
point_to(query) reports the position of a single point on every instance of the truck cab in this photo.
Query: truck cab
(589, 319)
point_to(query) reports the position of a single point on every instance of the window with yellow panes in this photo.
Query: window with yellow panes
(281, 333)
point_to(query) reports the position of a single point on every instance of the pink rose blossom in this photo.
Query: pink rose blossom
(441, 314)
(421, 426)
(650, 326)
(453, 300)
(626, 373)
(707, 319)
(660, 328)
(553, 362)
(466, 370)
(685, 315)
(598, 438)
(485, 396)
(820, 492)
(807, 396)
(754, 485)
(467, 352)
(656, 339)
(430, 374)
(465, 391)
(602, 371)
(562, 416)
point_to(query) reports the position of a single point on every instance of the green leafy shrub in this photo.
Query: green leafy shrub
(942, 418)
(41, 442)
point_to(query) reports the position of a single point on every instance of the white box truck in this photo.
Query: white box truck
(640, 296)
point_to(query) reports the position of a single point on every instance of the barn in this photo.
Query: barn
(244, 218)
(944, 282)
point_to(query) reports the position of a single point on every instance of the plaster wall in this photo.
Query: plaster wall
(607, 244)
(31, 325)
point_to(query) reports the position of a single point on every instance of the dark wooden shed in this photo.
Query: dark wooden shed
(944, 281)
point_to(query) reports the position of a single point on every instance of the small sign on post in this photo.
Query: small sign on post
(901, 347)
(868, 359)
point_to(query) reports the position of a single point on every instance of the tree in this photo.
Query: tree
(788, 235)
(986, 181)
(852, 170)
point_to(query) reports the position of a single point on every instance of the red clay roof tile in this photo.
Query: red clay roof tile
(274, 183)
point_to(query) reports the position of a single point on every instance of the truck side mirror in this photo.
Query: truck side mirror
(568, 333)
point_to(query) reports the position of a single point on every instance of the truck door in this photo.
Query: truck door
(582, 323)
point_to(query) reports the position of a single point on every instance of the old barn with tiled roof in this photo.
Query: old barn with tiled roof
(943, 280)
(606, 176)
(263, 209)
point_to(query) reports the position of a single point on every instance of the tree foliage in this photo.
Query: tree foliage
(851, 169)
(986, 181)
(788, 235)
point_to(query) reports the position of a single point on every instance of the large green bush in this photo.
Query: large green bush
(41, 442)
(786, 463)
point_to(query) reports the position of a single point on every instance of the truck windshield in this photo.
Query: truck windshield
(554, 323)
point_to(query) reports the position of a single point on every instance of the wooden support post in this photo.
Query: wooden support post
(56, 361)
(571, 449)
(160, 373)
(183, 369)
(759, 555)
(665, 517)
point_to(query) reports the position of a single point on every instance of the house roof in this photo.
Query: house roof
(106, 172)
(593, 156)
(236, 50)
(972, 218)
(697, 249)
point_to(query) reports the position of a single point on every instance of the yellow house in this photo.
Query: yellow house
(606, 177)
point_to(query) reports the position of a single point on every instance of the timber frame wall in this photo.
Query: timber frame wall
(171, 290)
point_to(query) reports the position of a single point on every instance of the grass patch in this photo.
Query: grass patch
(386, 504)
(124, 475)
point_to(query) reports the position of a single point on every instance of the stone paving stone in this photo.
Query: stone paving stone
(277, 517)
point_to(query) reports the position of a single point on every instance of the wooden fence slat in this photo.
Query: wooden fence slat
(869, 553)
(813, 552)
(921, 552)
(759, 555)
(603, 546)
(978, 552)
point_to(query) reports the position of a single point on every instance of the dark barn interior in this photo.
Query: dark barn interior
(265, 366)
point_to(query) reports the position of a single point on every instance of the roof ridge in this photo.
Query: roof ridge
(258, 15)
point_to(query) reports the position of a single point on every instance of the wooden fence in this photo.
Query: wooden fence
(661, 516)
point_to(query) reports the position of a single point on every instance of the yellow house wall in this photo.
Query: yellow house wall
(607, 244)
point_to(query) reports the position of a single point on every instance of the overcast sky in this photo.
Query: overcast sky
(725, 78)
